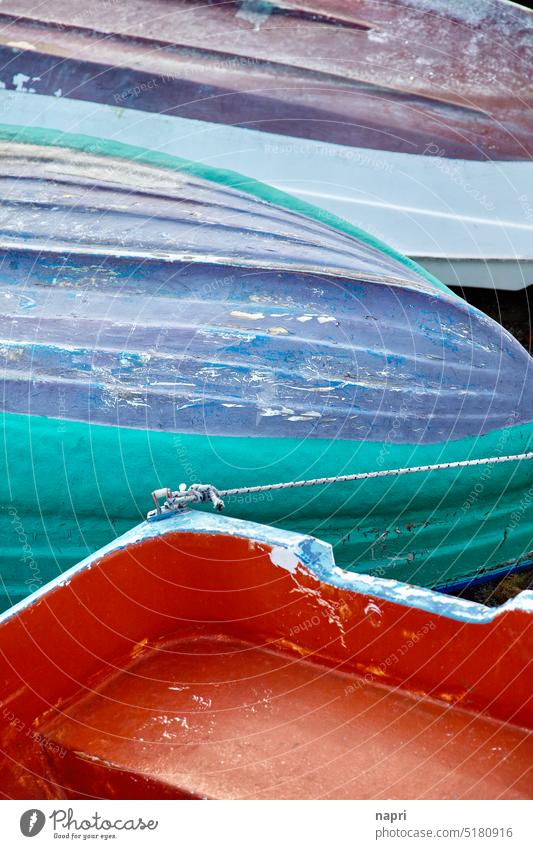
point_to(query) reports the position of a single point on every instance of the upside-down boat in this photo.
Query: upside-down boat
(205, 657)
(163, 322)
(413, 118)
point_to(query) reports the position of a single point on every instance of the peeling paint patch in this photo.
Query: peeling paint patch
(372, 608)
(20, 80)
(22, 45)
(270, 411)
(379, 36)
(253, 13)
(285, 558)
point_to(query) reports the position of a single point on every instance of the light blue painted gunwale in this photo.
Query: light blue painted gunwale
(313, 554)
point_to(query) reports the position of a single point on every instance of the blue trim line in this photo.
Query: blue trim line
(484, 579)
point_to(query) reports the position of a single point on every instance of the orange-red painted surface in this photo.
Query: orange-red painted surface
(191, 665)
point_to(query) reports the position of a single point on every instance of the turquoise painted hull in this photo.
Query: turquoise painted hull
(68, 488)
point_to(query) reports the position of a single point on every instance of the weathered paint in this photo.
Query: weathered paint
(205, 657)
(214, 335)
(363, 74)
(180, 346)
(358, 107)
(69, 487)
(469, 222)
(53, 137)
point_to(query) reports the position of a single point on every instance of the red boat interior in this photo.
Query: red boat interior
(199, 666)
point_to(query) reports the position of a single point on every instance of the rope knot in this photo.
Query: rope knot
(198, 493)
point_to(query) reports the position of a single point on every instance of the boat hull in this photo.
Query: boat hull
(366, 119)
(61, 501)
(366, 75)
(469, 223)
(202, 657)
(163, 322)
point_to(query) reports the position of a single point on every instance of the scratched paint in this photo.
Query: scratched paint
(151, 333)
(384, 356)
(375, 76)
(76, 486)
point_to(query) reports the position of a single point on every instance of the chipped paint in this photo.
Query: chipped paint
(250, 315)
(285, 558)
(293, 552)
(318, 397)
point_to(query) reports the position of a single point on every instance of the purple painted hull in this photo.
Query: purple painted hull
(141, 297)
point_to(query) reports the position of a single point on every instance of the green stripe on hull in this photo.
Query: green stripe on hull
(68, 488)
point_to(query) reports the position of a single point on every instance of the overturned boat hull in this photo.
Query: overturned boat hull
(354, 107)
(166, 322)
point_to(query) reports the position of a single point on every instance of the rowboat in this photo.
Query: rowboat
(411, 120)
(164, 322)
(207, 657)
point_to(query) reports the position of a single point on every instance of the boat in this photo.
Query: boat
(163, 322)
(354, 106)
(202, 657)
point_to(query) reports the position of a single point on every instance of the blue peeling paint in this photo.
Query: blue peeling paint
(314, 555)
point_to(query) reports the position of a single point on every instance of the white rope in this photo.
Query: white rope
(206, 492)
(358, 476)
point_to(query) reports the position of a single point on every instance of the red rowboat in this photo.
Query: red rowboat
(204, 657)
